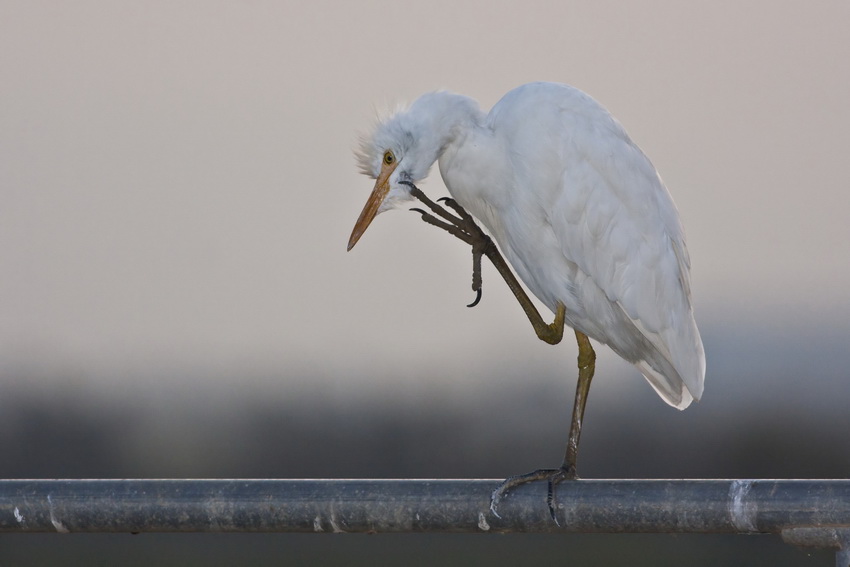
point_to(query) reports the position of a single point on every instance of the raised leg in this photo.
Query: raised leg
(464, 227)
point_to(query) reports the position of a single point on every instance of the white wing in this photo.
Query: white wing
(584, 218)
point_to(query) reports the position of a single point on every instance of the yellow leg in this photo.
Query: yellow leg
(586, 367)
(553, 332)
(548, 333)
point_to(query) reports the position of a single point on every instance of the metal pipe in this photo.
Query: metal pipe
(586, 506)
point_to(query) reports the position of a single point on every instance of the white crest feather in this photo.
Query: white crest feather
(367, 153)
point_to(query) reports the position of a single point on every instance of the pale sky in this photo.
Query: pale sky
(178, 184)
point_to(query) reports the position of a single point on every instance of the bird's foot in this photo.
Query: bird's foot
(462, 226)
(552, 476)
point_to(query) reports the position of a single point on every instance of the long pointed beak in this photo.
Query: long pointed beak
(379, 193)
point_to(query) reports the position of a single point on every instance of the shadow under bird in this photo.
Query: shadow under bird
(579, 212)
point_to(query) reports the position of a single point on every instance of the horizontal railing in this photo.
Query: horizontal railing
(804, 512)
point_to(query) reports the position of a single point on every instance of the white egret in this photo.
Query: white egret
(578, 210)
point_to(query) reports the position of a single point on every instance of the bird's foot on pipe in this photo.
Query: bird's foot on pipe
(551, 476)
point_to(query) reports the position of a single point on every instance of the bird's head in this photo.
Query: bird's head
(386, 167)
(402, 148)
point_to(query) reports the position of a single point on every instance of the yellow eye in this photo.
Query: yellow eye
(389, 158)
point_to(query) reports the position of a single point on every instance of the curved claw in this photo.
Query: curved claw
(418, 210)
(550, 500)
(552, 476)
(494, 502)
(442, 199)
(477, 298)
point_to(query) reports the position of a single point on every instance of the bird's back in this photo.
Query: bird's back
(584, 219)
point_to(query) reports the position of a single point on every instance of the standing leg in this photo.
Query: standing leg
(586, 367)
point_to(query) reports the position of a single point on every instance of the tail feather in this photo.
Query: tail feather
(672, 361)
(672, 391)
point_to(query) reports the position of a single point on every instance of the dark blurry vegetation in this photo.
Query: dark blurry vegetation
(794, 424)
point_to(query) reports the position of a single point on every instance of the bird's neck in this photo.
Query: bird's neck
(448, 119)
(472, 161)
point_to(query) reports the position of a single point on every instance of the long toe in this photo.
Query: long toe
(566, 472)
(552, 477)
(512, 482)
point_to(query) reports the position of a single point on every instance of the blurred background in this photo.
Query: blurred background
(177, 188)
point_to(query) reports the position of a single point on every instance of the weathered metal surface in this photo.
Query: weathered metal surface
(824, 537)
(328, 506)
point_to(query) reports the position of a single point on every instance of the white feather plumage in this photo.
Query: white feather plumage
(575, 206)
